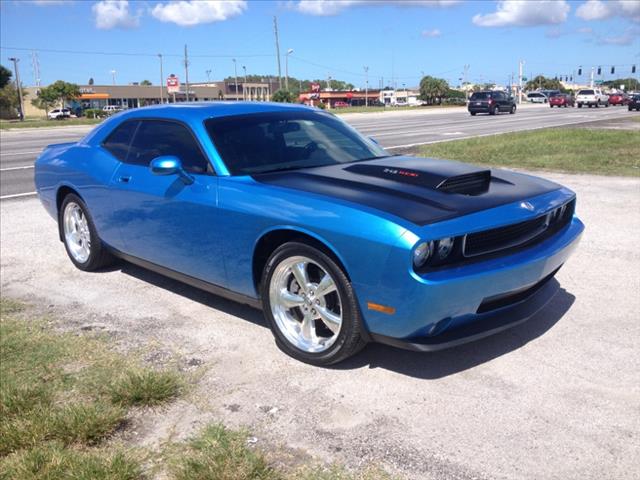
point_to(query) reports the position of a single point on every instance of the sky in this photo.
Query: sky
(75, 40)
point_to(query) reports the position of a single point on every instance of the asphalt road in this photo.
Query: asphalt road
(555, 398)
(20, 148)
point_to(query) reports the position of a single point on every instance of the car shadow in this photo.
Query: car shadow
(428, 366)
(434, 365)
(192, 293)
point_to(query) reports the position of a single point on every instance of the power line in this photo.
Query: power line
(135, 54)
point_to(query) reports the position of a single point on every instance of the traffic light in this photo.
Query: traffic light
(579, 71)
(599, 70)
(633, 69)
(613, 70)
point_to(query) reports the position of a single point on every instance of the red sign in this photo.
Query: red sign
(315, 87)
(173, 84)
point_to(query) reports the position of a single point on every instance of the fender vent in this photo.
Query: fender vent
(467, 184)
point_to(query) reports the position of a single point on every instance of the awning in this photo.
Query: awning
(94, 96)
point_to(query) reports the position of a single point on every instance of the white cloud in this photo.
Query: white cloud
(334, 7)
(599, 10)
(187, 13)
(431, 33)
(523, 13)
(114, 13)
(585, 30)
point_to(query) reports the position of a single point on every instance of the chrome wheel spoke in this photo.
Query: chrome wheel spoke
(76, 232)
(298, 292)
(299, 271)
(330, 319)
(290, 300)
(326, 286)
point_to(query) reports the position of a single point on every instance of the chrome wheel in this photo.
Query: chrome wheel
(76, 232)
(306, 304)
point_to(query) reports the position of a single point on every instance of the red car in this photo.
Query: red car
(618, 99)
(340, 104)
(561, 100)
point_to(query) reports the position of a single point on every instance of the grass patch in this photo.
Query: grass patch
(338, 111)
(41, 122)
(61, 396)
(574, 150)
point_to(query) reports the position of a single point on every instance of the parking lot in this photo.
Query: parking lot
(555, 398)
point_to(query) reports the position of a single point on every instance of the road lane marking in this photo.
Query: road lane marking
(19, 153)
(18, 195)
(10, 169)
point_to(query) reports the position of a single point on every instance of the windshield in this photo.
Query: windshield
(585, 92)
(481, 96)
(267, 142)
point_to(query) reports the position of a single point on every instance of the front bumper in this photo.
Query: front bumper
(449, 307)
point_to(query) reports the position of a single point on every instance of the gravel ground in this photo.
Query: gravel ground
(556, 398)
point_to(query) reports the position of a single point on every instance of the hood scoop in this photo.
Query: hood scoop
(474, 182)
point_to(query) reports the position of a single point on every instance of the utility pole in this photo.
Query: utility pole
(591, 77)
(366, 86)
(520, 66)
(161, 80)
(286, 69)
(235, 70)
(275, 30)
(36, 68)
(328, 89)
(186, 70)
(208, 72)
(18, 86)
(113, 77)
(244, 86)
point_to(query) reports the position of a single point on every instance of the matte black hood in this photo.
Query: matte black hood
(420, 190)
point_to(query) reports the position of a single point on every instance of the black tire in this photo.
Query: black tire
(579, 105)
(513, 109)
(493, 111)
(606, 105)
(550, 106)
(99, 256)
(350, 339)
(473, 114)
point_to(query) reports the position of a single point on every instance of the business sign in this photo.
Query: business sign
(315, 87)
(173, 84)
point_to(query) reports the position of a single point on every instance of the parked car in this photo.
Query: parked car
(561, 100)
(59, 113)
(111, 109)
(491, 102)
(618, 98)
(593, 97)
(340, 104)
(537, 97)
(288, 208)
(634, 103)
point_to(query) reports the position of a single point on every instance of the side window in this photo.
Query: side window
(119, 140)
(156, 138)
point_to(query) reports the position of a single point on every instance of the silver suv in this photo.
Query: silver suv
(594, 97)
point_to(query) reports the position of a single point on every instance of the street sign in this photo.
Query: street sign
(173, 84)
(524, 79)
(599, 82)
(315, 87)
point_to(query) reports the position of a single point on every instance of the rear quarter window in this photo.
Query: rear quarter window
(118, 141)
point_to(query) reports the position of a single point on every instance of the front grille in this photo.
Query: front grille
(467, 184)
(503, 238)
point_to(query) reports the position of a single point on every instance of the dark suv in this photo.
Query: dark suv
(491, 103)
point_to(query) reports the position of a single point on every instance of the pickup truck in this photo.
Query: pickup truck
(593, 97)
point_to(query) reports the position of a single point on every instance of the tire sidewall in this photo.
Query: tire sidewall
(351, 318)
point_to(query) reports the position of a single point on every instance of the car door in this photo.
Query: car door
(162, 219)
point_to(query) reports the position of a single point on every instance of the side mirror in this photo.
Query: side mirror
(170, 165)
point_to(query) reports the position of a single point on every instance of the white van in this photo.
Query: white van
(111, 109)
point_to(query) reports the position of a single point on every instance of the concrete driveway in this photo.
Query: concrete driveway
(556, 398)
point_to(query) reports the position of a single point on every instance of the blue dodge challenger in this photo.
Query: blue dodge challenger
(288, 208)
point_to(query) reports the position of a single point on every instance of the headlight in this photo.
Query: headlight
(421, 253)
(444, 248)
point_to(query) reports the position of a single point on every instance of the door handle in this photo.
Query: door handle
(124, 179)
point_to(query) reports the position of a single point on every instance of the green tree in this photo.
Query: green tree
(59, 92)
(283, 96)
(543, 83)
(146, 83)
(9, 101)
(432, 89)
(46, 99)
(630, 84)
(5, 76)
